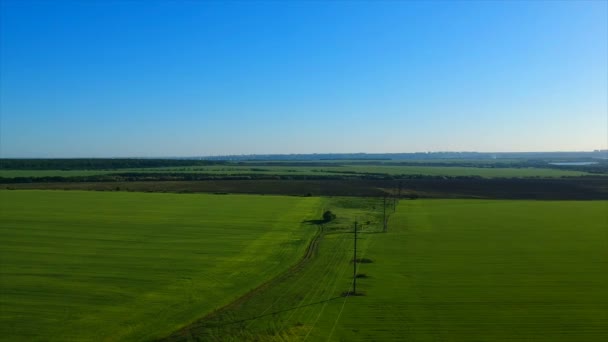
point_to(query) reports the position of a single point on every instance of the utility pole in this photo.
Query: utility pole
(398, 195)
(355, 263)
(384, 212)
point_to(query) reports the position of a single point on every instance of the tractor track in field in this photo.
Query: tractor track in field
(186, 333)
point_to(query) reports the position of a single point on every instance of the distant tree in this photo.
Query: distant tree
(328, 216)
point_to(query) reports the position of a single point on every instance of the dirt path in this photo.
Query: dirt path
(186, 333)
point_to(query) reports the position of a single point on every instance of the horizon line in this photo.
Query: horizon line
(315, 154)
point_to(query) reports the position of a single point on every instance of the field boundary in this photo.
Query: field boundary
(572, 188)
(185, 333)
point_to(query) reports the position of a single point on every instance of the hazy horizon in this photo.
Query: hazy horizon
(163, 79)
(603, 151)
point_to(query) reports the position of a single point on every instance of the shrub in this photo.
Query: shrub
(328, 216)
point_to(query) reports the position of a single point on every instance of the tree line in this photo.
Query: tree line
(98, 163)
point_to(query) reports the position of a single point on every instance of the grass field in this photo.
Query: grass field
(486, 271)
(346, 170)
(135, 266)
(447, 270)
(289, 308)
(466, 171)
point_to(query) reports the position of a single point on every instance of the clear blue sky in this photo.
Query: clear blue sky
(141, 78)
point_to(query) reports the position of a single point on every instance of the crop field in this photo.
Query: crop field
(137, 266)
(305, 300)
(458, 270)
(486, 271)
(346, 169)
(305, 170)
(487, 172)
(579, 188)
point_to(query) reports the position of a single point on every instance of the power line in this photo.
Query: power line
(355, 262)
(385, 228)
(345, 298)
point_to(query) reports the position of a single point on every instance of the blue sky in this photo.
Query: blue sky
(109, 79)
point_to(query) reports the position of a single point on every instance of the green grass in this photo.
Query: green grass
(485, 172)
(291, 305)
(447, 270)
(135, 266)
(486, 271)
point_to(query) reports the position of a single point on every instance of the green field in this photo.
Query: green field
(486, 271)
(393, 170)
(447, 270)
(135, 266)
(486, 172)
(343, 170)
